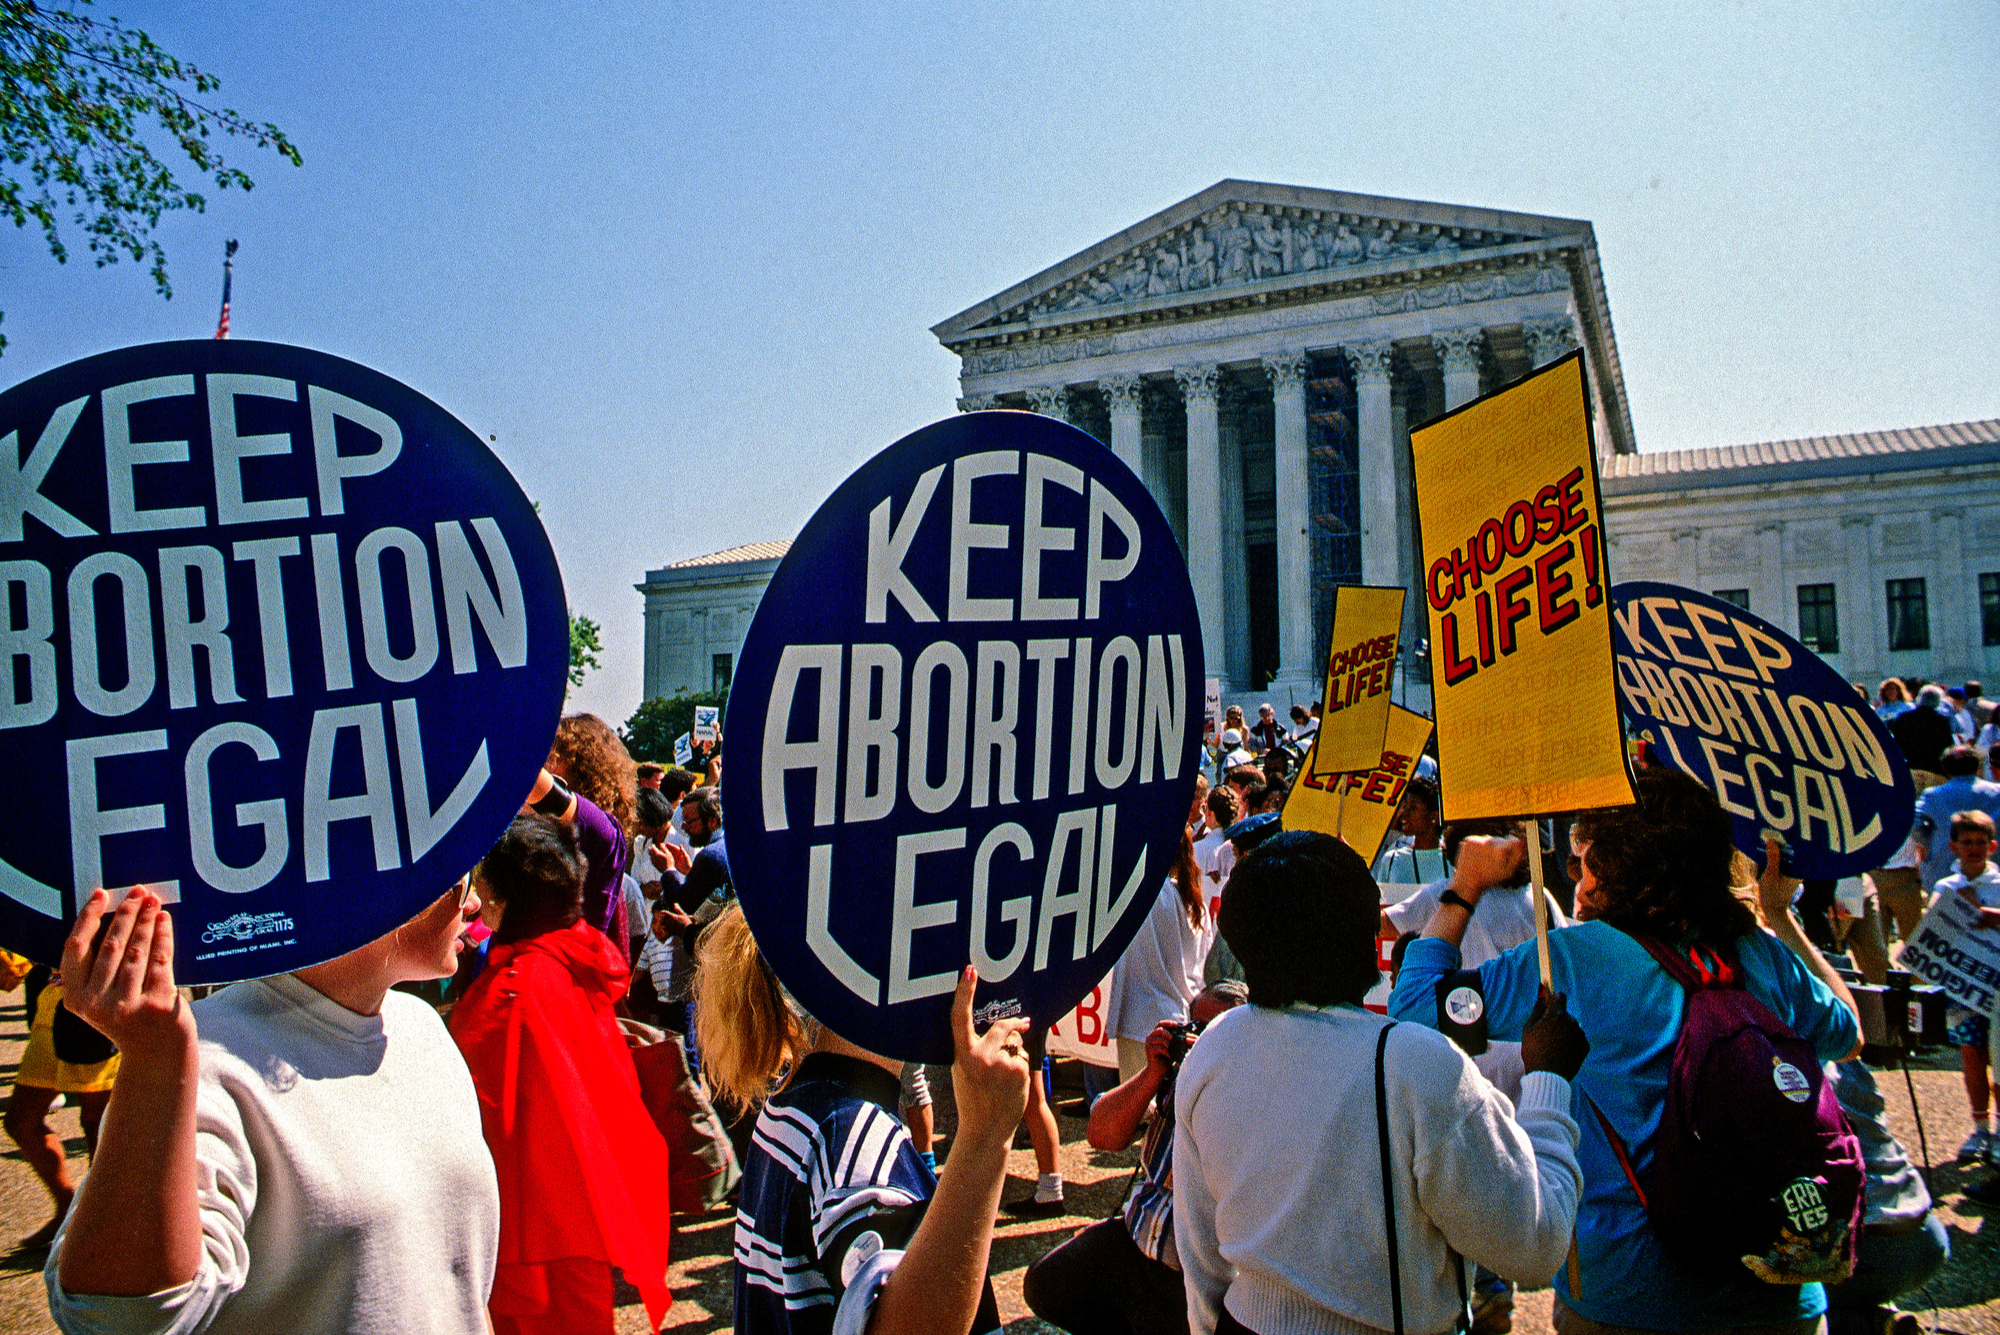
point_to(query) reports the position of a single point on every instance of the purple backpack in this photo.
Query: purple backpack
(1754, 1168)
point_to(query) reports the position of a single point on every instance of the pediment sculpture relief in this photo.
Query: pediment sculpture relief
(1250, 243)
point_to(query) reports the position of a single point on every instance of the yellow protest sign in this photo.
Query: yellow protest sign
(1360, 668)
(1516, 591)
(1360, 807)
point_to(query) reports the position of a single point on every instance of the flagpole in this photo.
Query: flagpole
(228, 276)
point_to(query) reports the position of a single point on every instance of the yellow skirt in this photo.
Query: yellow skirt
(40, 1066)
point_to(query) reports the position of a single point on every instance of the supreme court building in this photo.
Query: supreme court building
(1258, 354)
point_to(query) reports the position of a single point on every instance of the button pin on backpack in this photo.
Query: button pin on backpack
(1790, 1080)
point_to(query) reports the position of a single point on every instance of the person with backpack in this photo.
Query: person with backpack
(1753, 1162)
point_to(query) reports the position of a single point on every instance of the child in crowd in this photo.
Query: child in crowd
(827, 1238)
(1979, 884)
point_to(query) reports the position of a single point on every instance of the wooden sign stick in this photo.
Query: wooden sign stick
(1575, 1262)
(1541, 900)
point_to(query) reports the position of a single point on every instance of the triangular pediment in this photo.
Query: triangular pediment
(1238, 237)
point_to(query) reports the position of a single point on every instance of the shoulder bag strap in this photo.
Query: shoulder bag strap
(1464, 1322)
(1389, 1179)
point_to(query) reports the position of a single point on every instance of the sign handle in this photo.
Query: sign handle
(1534, 828)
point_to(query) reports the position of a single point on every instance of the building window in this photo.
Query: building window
(1819, 621)
(1736, 597)
(1989, 608)
(1909, 615)
(719, 678)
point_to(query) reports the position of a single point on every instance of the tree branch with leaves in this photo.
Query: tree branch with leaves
(80, 98)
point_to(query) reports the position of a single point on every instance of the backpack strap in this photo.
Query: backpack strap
(1617, 1143)
(1703, 965)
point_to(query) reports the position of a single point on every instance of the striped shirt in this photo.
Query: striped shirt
(1149, 1206)
(832, 1193)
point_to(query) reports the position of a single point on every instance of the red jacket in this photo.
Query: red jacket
(582, 1167)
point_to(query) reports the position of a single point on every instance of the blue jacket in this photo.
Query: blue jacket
(1632, 1012)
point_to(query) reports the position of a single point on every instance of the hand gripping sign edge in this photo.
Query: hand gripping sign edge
(282, 637)
(1768, 726)
(943, 604)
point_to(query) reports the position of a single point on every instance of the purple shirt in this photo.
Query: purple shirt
(605, 847)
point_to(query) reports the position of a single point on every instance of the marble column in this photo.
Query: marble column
(1204, 510)
(1769, 597)
(1123, 395)
(978, 403)
(1298, 660)
(1549, 339)
(1409, 556)
(1235, 553)
(1458, 354)
(1954, 609)
(1050, 401)
(1154, 405)
(1863, 605)
(1382, 519)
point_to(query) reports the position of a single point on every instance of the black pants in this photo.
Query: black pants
(1100, 1283)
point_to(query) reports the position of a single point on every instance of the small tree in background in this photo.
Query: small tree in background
(82, 100)
(649, 734)
(585, 642)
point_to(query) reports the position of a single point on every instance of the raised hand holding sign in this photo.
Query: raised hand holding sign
(967, 720)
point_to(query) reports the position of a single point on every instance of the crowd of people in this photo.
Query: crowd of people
(445, 1130)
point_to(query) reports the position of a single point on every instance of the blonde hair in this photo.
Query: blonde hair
(1743, 877)
(745, 1031)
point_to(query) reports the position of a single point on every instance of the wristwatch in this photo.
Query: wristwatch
(1453, 897)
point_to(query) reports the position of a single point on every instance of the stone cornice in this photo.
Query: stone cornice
(1301, 322)
(1385, 276)
(1333, 207)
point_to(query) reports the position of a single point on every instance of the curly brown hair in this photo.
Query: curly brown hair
(588, 754)
(1665, 866)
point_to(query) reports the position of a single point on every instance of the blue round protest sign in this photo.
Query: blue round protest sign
(283, 640)
(964, 729)
(1775, 733)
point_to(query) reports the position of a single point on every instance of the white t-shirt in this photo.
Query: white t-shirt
(1207, 859)
(1160, 971)
(1504, 919)
(343, 1180)
(638, 909)
(641, 861)
(1408, 865)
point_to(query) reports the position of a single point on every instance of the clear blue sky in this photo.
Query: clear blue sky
(681, 260)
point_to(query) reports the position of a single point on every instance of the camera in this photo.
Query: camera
(1180, 1037)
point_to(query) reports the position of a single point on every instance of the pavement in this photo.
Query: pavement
(1964, 1298)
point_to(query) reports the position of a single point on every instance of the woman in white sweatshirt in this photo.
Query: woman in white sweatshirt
(1280, 1214)
(308, 1160)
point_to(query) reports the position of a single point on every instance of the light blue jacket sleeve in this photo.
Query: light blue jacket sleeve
(1803, 1001)
(1509, 983)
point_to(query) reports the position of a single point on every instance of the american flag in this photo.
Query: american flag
(228, 272)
